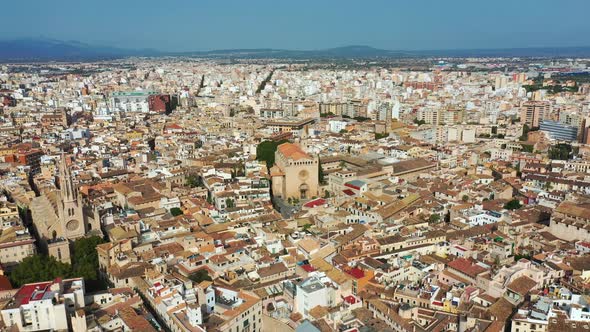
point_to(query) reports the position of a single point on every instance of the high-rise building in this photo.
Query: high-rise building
(501, 82)
(519, 78)
(532, 112)
(585, 131)
(430, 116)
(395, 110)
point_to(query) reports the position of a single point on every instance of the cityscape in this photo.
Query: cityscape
(295, 185)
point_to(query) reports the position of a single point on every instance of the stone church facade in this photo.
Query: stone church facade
(295, 173)
(58, 216)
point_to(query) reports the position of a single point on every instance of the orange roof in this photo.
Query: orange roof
(292, 151)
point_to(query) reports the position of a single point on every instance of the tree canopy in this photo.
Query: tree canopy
(85, 258)
(434, 218)
(40, 267)
(513, 205)
(193, 180)
(175, 211)
(527, 148)
(525, 131)
(361, 118)
(200, 275)
(265, 151)
(380, 135)
(230, 203)
(561, 151)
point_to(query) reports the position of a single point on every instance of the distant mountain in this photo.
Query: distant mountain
(360, 51)
(355, 51)
(43, 49)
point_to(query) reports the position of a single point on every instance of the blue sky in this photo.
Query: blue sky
(183, 25)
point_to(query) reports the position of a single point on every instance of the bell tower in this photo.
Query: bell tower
(70, 213)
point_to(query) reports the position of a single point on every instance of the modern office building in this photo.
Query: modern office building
(133, 101)
(559, 131)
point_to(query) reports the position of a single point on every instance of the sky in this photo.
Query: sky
(197, 25)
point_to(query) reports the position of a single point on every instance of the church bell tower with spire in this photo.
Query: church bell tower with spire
(70, 213)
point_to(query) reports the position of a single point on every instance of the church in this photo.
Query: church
(59, 218)
(295, 173)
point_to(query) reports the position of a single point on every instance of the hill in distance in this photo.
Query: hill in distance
(44, 49)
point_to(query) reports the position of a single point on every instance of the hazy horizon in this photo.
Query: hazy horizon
(179, 26)
(39, 38)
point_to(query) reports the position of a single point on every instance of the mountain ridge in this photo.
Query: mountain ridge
(46, 49)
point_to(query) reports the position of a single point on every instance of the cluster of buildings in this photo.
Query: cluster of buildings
(260, 196)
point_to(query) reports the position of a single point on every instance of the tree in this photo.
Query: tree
(380, 135)
(361, 118)
(194, 180)
(263, 83)
(84, 256)
(85, 261)
(321, 175)
(199, 276)
(527, 148)
(561, 151)
(39, 268)
(434, 218)
(548, 186)
(176, 211)
(419, 122)
(465, 198)
(265, 151)
(229, 203)
(513, 205)
(343, 131)
(525, 131)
